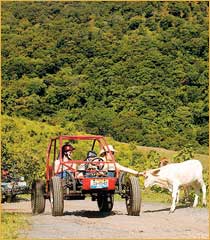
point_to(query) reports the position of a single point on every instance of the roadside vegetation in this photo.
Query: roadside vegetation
(13, 224)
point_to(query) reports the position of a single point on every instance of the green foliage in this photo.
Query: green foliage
(137, 71)
(11, 223)
(154, 158)
(185, 154)
(24, 145)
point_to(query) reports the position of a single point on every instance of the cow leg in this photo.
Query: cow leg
(186, 193)
(203, 187)
(177, 196)
(197, 191)
(174, 197)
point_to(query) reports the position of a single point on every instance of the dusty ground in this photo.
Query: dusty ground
(82, 220)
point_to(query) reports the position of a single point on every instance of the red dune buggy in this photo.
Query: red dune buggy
(91, 175)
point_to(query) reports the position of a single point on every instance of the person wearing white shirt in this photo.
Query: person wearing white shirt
(106, 154)
(67, 151)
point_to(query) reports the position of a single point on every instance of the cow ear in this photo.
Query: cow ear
(155, 172)
(166, 162)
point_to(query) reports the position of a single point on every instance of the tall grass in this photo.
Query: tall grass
(13, 225)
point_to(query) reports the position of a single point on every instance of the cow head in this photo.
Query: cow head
(163, 162)
(150, 177)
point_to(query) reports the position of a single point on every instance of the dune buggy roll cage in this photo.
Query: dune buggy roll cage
(60, 140)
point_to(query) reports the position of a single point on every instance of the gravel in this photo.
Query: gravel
(82, 220)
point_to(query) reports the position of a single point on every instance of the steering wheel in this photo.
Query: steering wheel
(98, 159)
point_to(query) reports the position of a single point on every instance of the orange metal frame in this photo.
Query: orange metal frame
(53, 141)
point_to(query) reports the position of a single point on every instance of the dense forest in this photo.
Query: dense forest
(135, 71)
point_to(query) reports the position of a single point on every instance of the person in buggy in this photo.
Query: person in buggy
(107, 153)
(64, 171)
(67, 153)
(5, 175)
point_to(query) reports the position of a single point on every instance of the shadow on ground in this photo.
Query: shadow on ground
(166, 209)
(92, 214)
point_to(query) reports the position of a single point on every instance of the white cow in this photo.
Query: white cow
(164, 162)
(174, 175)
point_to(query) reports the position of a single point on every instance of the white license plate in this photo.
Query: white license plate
(98, 183)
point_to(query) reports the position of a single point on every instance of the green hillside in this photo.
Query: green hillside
(134, 71)
(25, 142)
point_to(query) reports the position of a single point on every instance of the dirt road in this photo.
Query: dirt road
(82, 220)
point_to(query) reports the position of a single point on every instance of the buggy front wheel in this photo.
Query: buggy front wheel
(56, 196)
(133, 196)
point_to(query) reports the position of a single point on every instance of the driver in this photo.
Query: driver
(106, 153)
(92, 164)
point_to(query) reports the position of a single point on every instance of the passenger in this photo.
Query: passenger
(4, 172)
(67, 152)
(106, 154)
(5, 175)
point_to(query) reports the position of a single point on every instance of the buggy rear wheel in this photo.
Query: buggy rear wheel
(37, 197)
(56, 196)
(133, 196)
(105, 201)
(9, 198)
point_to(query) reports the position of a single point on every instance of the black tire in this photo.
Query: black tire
(9, 198)
(56, 196)
(37, 197)
(105, 201)
(121, 181)
(133, 196)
